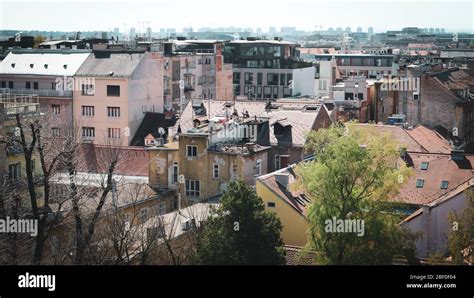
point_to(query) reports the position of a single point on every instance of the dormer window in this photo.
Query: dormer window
(444, 184)
(46, 66)
(31, 65)
(420, 183)
(13, 65)
(65, 66)
(424, 166)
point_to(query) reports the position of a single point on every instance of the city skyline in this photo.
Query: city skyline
(22, 15)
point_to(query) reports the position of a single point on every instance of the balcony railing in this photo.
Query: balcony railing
(43, 92)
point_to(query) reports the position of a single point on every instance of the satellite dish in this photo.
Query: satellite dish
(161, 131)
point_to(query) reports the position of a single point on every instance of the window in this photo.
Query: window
(4, 84)
(88, 111)
(143, 214)
(424, 166)
(277, 162)
(87, 89)
(28, 85)
(88, 132)
(114, 133)
(248, 78)
(282, 79)
(420, 183)
(14, 171)
(258, 167)
(113, 90)
(289, 77)
(55, 132)
(236, 78)
(162, 208)
(193, 188)
(444, 184)
(272, 79)
(10, 85)
(267, 91)
(259, 78)
(56, 109)
(126, 217)
(383, 110)
(191, 151)
(275, 92)
(271, 204)
(35, 85)
(215, 173)
(113, 112)
(175, 172)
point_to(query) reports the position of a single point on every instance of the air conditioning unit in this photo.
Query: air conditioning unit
(416, 96)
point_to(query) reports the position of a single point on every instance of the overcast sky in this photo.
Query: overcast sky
(88, 15)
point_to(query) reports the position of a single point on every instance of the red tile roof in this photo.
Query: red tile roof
(440, 167)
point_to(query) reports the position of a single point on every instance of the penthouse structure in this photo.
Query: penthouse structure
(268, 69)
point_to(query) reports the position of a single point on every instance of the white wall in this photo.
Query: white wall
(146, 90)
(303, 79)
(434, 225)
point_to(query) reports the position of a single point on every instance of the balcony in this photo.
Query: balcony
(42, 92)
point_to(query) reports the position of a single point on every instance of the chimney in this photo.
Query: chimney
(457, 155)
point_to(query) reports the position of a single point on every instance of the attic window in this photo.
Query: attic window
(271, 204)
(420, 183)
(46, 66)
(65, 66)
(13, 65)
(424, 165)
(444, 184)
(31, 65)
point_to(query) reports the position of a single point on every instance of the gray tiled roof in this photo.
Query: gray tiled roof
(294, 114)
(102, 64)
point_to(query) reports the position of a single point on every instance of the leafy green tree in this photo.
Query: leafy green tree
(355, 173)
(461, 236)
(240, 232)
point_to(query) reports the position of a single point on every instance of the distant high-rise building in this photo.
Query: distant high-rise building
(431, 30)
(348, 30)
(331, 29)
(359, 29)
(437, 31)
(171, 30)
(104, 35)
(370, 30)
(133, 32)
(272, 30)
(443, 30)
(259, 31)
(116, 31)
(339, 30)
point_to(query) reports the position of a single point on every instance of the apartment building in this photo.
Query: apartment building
(195, 69)
(290, 121)
(268, 69)
(125, 85)
(12, 160)
(352, 99)
(48, 74)
(201, 161)
(367, 65)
